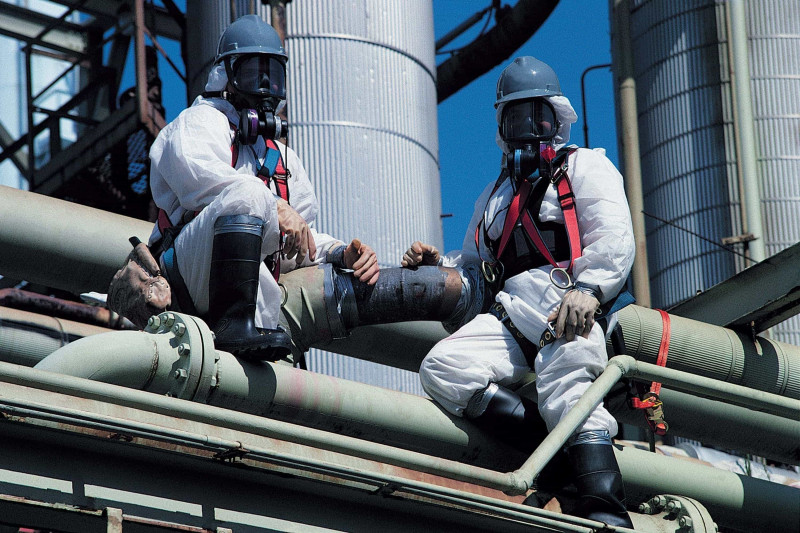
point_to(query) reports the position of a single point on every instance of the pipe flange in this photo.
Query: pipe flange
(689, 514)
(209, 360)
(187, 340)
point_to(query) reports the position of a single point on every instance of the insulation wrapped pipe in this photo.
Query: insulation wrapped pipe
(713, 351)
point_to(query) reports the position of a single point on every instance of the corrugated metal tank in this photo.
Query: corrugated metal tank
(688, 152)
(363, 118)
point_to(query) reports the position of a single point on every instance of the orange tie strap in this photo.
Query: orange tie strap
(650, 402)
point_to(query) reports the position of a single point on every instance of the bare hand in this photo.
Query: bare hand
(420, 254)
(574, 315)
(298, 239)
(363, 260)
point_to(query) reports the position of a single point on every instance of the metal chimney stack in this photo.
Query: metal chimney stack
(363, 119)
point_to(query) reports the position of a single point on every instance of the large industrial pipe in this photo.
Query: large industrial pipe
(713, 351)
(26, 338)
(62, 244)
(176, 356)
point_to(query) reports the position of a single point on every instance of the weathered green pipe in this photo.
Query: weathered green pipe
(713, 351)
(720, 424)
(737, 503)
(62, 244)
(126, 358)
(27, 338)
(179, 359)
(258, 425)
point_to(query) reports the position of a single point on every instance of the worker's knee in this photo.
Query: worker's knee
(245, 197)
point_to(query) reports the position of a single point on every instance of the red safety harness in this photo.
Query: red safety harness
(649, 400)
(271, 169)
(518, 213)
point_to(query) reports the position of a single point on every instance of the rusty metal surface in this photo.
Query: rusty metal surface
(60, 308)
(118, 472)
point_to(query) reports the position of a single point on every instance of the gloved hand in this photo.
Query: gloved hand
(363, 260)
(420, 254)
(298, 240)
(574, 315)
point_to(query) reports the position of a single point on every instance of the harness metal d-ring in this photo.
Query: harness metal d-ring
(491, 272)
(566, 280)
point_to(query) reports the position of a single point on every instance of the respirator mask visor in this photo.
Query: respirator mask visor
(528, 122)
(259, 75)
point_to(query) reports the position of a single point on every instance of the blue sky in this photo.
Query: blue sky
(574, 37)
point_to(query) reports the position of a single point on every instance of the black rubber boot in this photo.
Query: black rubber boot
(513, 419)
(516, 421)
(233, 286)
(599, 483)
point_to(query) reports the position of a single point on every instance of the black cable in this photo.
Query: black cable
(690, 232)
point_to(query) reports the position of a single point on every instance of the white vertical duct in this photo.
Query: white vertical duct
(362, 118)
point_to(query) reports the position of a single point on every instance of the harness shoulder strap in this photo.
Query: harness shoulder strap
(566, 198)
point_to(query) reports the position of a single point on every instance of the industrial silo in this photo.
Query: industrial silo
(362, 114)
(693, 147)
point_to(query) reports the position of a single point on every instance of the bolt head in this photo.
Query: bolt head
(153, 322)
(179, 329)
(180, 374)
(685, 521)
(184, 349)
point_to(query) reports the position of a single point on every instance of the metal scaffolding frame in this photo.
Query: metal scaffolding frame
(107, 28)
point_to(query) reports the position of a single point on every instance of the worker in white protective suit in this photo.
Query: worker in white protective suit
(552, 266)
(236, 206)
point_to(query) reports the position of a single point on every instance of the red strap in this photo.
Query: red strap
(651, 402)
(513, 214)
(280, 170)
(536, 237)
(663, 348)
(567, 200)
(282, 185)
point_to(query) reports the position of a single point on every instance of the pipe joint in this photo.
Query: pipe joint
(517, 485)
(192, 372)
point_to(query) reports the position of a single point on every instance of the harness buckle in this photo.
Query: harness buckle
(491, 273)
(548, 336)
(561, 278)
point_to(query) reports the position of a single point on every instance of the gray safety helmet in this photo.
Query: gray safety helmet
(526, 77)
(249, 35)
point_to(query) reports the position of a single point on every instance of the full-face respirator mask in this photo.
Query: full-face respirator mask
(527, 127)
(259, 82)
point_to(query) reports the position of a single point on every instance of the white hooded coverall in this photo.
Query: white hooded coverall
(191, 171)
(483, 351)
